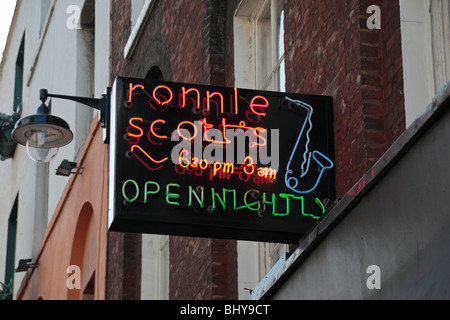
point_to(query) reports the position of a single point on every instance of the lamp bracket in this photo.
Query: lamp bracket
(90, 102)
(102, 104)
(25, 264)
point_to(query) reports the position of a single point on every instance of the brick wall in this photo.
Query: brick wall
(330, 51)
(187, 40)
(381, 78)
(124, 266)
(203, 269)
(395, 122)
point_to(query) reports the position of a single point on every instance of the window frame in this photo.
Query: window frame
(256, 259)
(264, 68)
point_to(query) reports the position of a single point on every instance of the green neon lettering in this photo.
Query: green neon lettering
(307, 214)
(273, 203)
(200, 200)
(170, 195)
(250, 206)
(128, 200)
(320, 204)
(286, 196)
(251, 198)
(147, 192)
(216, 195)
(234, 196)
(268, 202)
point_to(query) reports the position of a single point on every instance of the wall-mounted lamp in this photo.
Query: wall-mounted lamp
(25, 264)
(66, 168)
(43, 134)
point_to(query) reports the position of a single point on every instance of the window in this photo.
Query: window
(155, 248)
(155, 267)
(259, 45)
(440, 28)
(425, 29)
(259, 64)
(164, 267)
(18, 84)
(11, 243)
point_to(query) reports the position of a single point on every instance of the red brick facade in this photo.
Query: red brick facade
(329, 51)
(124, 266)
(186, 40)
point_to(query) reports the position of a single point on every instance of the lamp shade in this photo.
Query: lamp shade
(42, 134)
(45, 131)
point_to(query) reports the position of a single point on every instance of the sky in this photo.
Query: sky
(6, 12)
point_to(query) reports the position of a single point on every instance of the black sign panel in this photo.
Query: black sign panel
(202, 161)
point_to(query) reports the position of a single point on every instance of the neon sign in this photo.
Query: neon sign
(204, 161)
(217, 199)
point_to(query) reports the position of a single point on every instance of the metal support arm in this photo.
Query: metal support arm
(103, 105)
(91, 102)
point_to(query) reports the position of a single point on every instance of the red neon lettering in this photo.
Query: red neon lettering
(205, 166)
(236, 102)
(222, 174)
(264, 141)
(208, 101)
(208, 126)
(243, 126)
(185, 92)
(152, 129)
(141, 132)
(254, 105)
(222, 170)
(250, 164)
(267, 173)
(190, 123)
(194, 162)
(182, 160)
(178, 170)
(199, 165)
(225, 170)
(255, 131)
(228, 167)
(132, 88)
(167, 100)
(216, 168)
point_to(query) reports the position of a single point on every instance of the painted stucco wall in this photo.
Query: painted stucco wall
(60, 58)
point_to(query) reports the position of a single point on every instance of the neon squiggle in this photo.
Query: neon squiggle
(147, 157)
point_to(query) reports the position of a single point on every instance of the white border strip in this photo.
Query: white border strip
(112, 152)
(137, 30)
